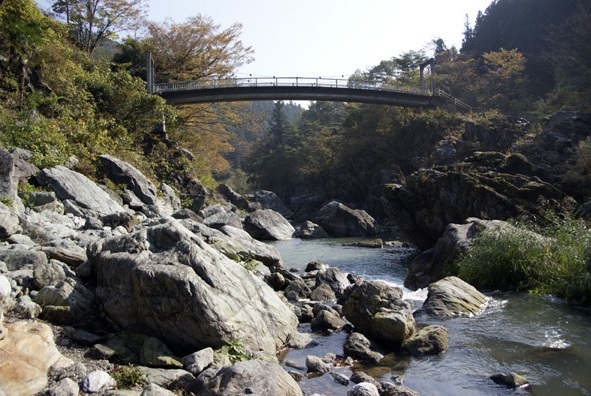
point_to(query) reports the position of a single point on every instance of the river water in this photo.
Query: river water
(541, 338)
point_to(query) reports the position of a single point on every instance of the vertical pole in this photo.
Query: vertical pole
(422, 71)
(149, 73)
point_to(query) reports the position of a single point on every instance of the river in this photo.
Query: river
(541, 338)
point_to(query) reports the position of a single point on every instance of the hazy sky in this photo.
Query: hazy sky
(327, 38)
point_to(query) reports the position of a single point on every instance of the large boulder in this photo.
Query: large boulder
(452, 296)
(254, 377)
(232, 196)
(339, 220)
(237, 244)
(120, 172)
(267, 224)
(377, 310)
(27, 353)
(432, 199)
(82, 194)
(263, 199)
(169, 283)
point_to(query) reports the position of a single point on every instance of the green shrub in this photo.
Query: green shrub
(235, 351)
(553, 261)
(128, 376)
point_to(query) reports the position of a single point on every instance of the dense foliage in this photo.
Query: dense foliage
(553, 259)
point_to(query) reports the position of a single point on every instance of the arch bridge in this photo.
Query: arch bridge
(297, 88)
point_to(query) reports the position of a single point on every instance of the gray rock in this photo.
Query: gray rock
(219, 219)
(236, 199)
(335, 278)
(85, 195)
(254, 377)
(9, 181)
(377, 310)
(73, 256)
(510, 380)
(269, 200)
(198, 361)
(310, 230)
(155, 353)
(169, 378)
(65, 303)
(341, 221)
(170, 202)
(359, 347)
(326, 320)
(267, 224)
(297, 290)
(49, 274)
(155, 390)
(316, 365)
(120, 172)
(85, 337)
(98, 381)
(363, 389)
(22, 258)
(100, 351)
(237, 244)
(323, 293)
(452, 296)
(390, 389)
(430, 340)
(26, 308)
(65, 387)
(9, 223)
(431, 199)
(196, 194)
(149, 290)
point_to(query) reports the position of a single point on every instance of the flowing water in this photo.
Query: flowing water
(541, 338)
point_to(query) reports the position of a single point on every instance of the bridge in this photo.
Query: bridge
(294, 88)
(297, 88)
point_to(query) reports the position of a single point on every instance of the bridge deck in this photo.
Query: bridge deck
(294, 88)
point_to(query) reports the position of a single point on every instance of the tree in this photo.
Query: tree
(505, 80)
(196, 49)
(92, 22)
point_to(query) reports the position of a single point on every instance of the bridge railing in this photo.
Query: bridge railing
(285, 82)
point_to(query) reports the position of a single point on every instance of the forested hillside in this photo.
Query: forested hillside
(71, 90)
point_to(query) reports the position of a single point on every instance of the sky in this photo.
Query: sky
(328, 38)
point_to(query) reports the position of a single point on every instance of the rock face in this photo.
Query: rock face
(432, 199)
(440, 261)
(26, 354)
(377, 310)
(338, 220)
(452, 296)
(253, 377)
(267, 224)
(433, 264)
(120, 172)
(83, 194)
(169, 283)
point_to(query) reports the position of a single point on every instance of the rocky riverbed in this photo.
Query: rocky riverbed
(108, 290)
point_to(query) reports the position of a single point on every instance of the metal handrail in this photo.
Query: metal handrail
(455, 101)
(285, 82)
